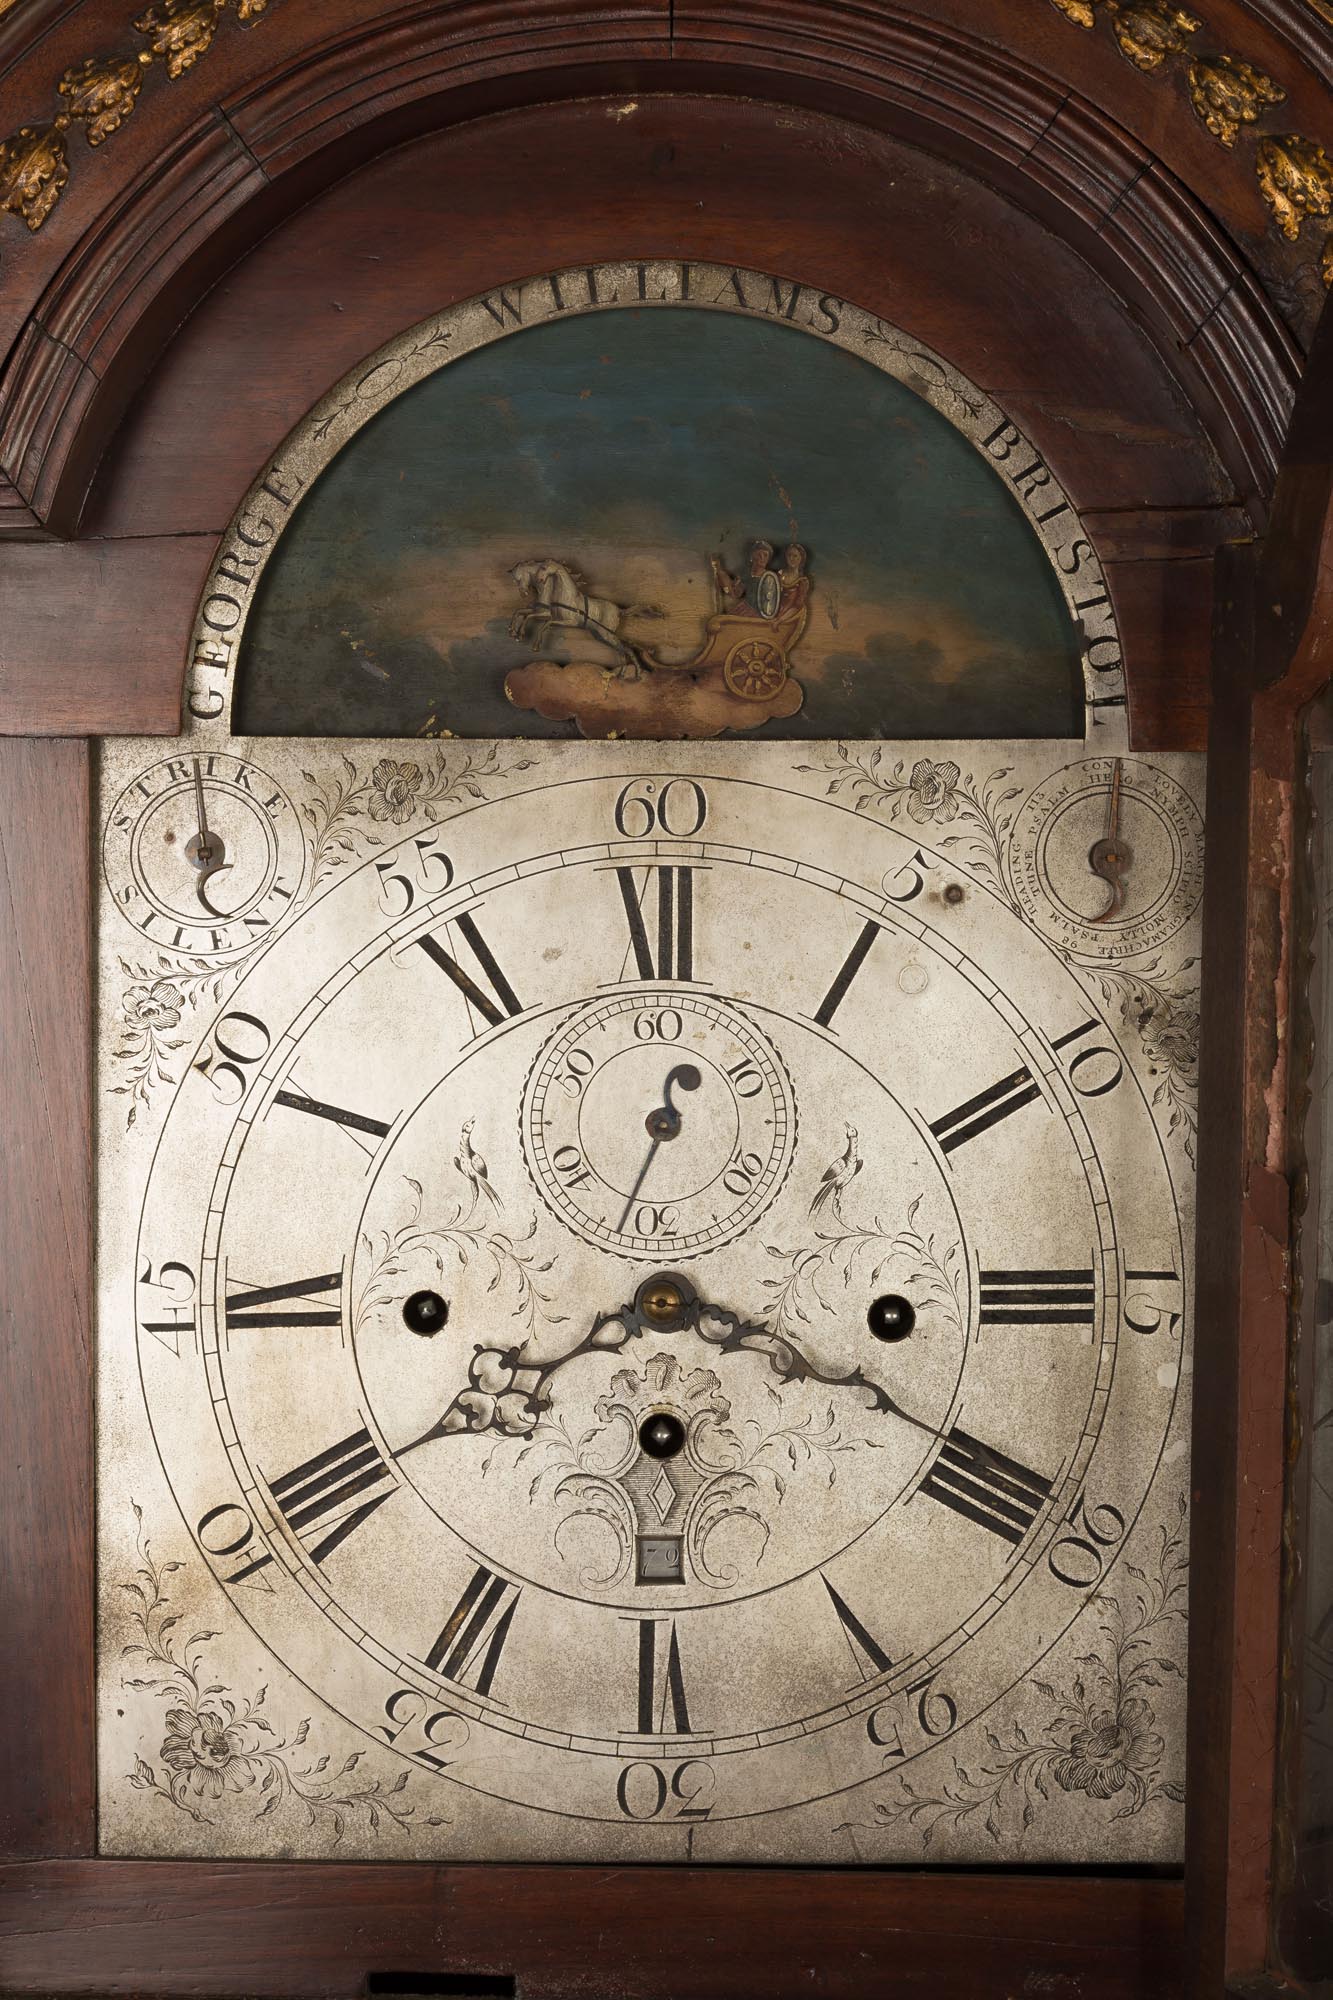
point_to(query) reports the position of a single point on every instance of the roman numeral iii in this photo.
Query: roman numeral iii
(1037, 1298)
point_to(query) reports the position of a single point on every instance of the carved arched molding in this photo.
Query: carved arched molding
(165, 233)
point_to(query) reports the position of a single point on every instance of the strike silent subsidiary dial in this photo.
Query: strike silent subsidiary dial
(204, 854)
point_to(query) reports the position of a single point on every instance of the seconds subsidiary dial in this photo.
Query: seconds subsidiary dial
(659, 1115)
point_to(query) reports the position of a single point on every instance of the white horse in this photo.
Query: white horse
(558, 599)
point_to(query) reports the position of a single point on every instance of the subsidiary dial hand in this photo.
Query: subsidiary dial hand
(1111, 858)
(205, 849)
(662, 1123)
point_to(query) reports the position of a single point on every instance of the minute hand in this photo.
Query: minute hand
(733, 1335)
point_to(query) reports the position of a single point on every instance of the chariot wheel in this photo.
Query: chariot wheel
(754, 669)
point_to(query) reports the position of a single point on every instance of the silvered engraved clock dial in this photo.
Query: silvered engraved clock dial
(651, 1309)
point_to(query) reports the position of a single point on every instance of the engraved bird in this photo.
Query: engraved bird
(838, 1176)
(473, 1168)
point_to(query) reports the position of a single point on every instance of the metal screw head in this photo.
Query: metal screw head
(662, 1435)
(425, 1313)
(661, 1301)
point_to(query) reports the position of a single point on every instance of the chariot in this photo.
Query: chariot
(751, 651)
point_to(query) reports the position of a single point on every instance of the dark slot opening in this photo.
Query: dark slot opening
(429, 1985)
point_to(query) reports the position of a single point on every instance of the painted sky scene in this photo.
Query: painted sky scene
(534, 541)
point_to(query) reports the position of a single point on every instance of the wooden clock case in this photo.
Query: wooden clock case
(1026, 194)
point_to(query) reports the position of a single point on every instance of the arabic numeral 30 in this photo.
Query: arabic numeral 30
(646, 1791)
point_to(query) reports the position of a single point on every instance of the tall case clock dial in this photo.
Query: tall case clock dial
(663, 1331)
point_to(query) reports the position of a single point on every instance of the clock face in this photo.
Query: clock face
(660, 1298)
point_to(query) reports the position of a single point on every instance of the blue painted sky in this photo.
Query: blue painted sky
(634, 445)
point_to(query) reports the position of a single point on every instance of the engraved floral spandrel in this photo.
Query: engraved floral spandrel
(1095, 1735)
(349, 812)
(219, 1753)
(353, 809)
(933, 794)
(161, 996)
(1162, 1009)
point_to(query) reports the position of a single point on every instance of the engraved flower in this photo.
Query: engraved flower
(394, 788)
(932, 791)
(155, 1006)
(1170, 1031)
(205, 1753)
(1112, 1753)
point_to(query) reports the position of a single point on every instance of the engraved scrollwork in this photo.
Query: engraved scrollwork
(343, 811)
(1295, 179)
(1163, 1011)
(469, 1228)
(978, 812)
(1227, 93)
(152, 1008)
(727, 1477)
(102, 91)
(34, 168)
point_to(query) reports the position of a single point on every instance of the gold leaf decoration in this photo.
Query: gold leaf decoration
(180, 31)
(1150, 33)
(1227, 93)
(34, 167)
(102, 90)
(1078, 11)
(1295, 179)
